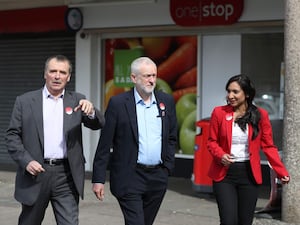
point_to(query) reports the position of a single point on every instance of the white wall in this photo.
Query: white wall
(256, 10)
(127, 14)
(88, 83)
(221, 59)
(149, 13)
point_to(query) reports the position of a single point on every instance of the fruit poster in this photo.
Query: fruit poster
(176, 59)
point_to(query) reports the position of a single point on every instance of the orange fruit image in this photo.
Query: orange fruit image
(111, 89)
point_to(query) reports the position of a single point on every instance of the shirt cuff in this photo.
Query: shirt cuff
(92, 116)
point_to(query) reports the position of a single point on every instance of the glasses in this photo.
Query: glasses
(148, 76)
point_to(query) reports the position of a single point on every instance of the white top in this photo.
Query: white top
(239, 146)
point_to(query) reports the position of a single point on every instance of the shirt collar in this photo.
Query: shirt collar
(138, 98)
(47, 94)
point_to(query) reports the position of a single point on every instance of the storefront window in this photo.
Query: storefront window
(262, 60)
(176, 58)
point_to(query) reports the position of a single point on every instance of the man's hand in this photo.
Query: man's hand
(86, 107)
(34, 168)
(98, 189)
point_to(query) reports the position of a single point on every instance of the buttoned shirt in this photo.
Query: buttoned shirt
(54, 140)
(149, 131)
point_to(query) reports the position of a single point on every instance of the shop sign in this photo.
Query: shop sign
(206, 12)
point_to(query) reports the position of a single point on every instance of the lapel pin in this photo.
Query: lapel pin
(69, 110)
(228, 117)
(162, 108)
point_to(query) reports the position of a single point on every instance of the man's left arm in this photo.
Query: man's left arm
(92, 117)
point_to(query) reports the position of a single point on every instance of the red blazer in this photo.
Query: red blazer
(220, 138)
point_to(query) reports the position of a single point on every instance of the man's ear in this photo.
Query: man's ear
(133, 78)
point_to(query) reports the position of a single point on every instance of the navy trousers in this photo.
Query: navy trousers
(141, 203)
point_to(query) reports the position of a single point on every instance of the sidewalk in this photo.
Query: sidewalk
(181, 206)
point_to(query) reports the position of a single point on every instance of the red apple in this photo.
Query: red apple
(156, 47)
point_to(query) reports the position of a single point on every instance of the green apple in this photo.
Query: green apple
(187, 134)
(163, 86)
(184, 106)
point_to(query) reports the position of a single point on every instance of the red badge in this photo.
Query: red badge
(162, 106)
(69, 110)
(228, 116)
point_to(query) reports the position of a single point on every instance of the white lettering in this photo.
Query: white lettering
(229, 11)
(187, 11)
(205, 10)
(212, 10)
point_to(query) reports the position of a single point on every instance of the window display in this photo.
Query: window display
(176, 58)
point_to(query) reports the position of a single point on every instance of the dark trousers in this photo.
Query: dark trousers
(57, 188)
(142, 202)
(236, 195)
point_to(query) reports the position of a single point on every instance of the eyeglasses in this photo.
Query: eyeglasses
(148, 76)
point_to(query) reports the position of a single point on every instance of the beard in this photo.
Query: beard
(146, 89)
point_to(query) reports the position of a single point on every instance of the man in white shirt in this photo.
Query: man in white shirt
(44, 138)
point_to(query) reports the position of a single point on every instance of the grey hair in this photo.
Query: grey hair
(136, 64)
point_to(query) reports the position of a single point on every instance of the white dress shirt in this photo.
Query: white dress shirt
(53, 113)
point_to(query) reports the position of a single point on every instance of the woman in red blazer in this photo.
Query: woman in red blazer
(237, 132)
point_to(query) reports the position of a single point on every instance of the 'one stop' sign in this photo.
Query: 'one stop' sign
(206, 12)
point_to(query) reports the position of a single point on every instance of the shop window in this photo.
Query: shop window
(176, 59)
(262, 61)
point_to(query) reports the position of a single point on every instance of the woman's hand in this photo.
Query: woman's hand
(227, 159)
(285, 180)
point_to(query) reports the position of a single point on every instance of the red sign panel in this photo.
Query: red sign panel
(33, 20)
(206, 12)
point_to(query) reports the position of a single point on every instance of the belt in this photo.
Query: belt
(148, 167)
(55, 162)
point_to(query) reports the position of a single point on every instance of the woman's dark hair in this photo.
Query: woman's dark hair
(252, 115)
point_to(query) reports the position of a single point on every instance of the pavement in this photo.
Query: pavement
(182, 205)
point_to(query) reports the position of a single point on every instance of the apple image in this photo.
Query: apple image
(156, 47)
(133, 42)
(184, 106)
(110, 46)
(187, 134)
(163, 86)
(111, 89)
(119, 43)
